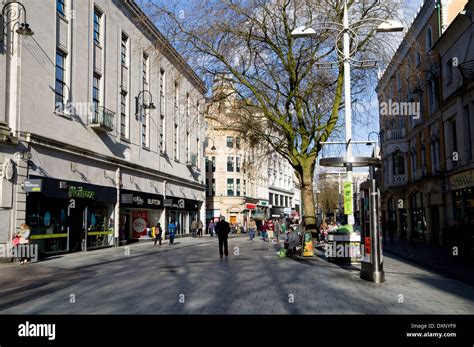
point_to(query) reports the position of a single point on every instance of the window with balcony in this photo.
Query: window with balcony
(96, 95)
(230, 164)
(238, 187)
(230, 141)
(230, 187)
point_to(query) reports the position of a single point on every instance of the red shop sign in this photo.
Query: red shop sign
(250, 206)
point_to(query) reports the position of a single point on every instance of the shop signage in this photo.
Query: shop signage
(139, 224)
(79, 192)
(263, 203)
(181, 204)
(33, 186)
(348, 198)
(141, 200)
(462, 180)
(250, 206)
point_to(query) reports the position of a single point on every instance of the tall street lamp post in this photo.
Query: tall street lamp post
(349, 33)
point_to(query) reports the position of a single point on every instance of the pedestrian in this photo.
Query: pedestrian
(251, 227)
(194, 226)
(270, 230)
(200, 226)
(283, 227)
(21, 241)
(211, 227)
(158, 233)
(277, 231)
(172, 230)
(222, 231)
(263, 230)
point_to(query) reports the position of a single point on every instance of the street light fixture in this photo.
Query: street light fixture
(213, 148)
(10, 14)
(150, 106)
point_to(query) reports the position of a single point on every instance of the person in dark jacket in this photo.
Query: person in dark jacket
(222, 231)
(158, 233)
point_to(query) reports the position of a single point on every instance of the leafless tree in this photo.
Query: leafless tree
(291, 89)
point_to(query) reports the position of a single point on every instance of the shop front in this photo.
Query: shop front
(462, 190)
(182, 212)
(139, 212)
(67, 216)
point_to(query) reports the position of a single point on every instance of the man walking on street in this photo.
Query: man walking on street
(222, 231)
(252, 226)
(158, 233)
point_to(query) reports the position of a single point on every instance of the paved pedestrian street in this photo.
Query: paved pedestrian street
(190, 278)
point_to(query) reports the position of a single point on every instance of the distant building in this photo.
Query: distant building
(243, 180)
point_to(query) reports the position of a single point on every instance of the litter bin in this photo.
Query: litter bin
(343, 245)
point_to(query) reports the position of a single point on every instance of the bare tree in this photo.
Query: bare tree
(293, 103)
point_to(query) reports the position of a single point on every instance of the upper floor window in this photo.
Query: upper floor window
(97, 25)
(123, 50)
(162, 93)
(237, 164)
(449, 71)
(230, 142)
(230, 187)
(60, 78)
(61, 7)
(230, 164)
(145, 72)
(237, 142)
(428, 39)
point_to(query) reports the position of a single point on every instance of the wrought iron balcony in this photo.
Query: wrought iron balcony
(102, 119)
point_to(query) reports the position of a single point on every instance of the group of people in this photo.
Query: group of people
(196, 228)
